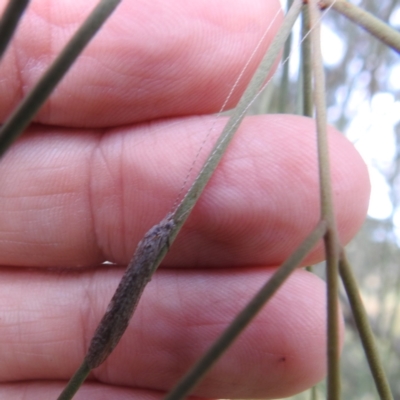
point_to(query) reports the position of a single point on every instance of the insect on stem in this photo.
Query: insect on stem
(138, 273)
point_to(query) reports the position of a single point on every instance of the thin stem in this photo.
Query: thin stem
(25, 112)
(327, 211)
(232, 125)
(75, 382)
(373, 25)
(197, 372)
(9, 22)
(313, 393)
(364, 329)
(155, 244)
(284, 85)
(308, 104)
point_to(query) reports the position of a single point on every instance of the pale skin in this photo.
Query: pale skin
(95, 173)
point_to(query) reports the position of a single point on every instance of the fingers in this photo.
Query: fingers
(48, 390)
(80, 199)
(48, 319)
(150, 60)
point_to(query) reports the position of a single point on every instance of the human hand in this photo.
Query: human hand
(103, 163)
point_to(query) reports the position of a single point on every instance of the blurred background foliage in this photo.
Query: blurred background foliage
(363, 99)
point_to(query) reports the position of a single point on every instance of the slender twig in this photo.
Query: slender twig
(155, 244)
(284, 84)
(75, 382)
(9, 22)
(194, 375)
(246, 100)
(306, 86)
(327, 211)
(364, 329)
(373, 25)
(308, 104)
(30, 105)
(314, 393)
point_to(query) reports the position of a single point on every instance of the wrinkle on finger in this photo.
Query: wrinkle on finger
(49, 390)
(149, 60)
(178, 317)
(47, 218)
(262, 201)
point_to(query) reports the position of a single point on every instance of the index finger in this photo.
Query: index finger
(150, 60)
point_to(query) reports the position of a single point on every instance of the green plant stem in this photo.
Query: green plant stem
(197, 372)
(232, 125)
(373, 25)
(30, 105)
(364, 329)
(129, 290)
(9, 22)
(75, 382)
(308, 104)
(313, 393)
(327, 211)
(181, 213)
(284, 85)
